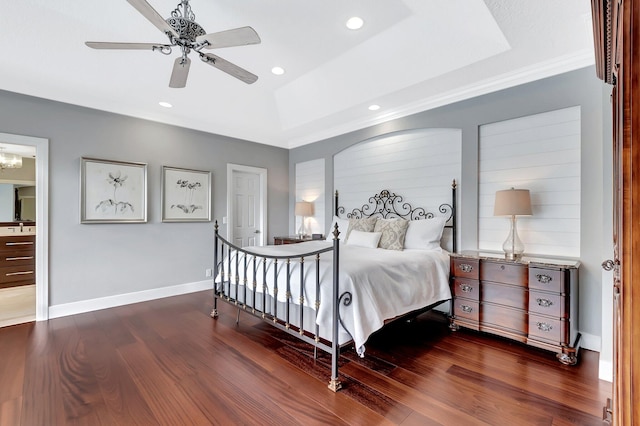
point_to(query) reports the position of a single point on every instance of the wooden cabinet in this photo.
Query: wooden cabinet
(532, 300)
(17, 260)
(289, 240)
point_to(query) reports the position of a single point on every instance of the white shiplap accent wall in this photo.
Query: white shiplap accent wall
(310, 187)
(419, 165)
(541, 153)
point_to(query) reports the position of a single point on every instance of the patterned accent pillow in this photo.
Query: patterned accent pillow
(366, 224)
(393, 233)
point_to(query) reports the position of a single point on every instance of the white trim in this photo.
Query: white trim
(42, 217)
(263, 198)
(90, 305)
(523, 75)
(605, 371)
(590, 342)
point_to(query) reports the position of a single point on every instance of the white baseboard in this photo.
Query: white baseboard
(591, 342)
(82, 306)
(605, 371)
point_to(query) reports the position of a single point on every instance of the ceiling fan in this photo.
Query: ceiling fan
(188, 35)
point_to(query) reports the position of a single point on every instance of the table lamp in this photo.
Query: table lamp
(513, 202)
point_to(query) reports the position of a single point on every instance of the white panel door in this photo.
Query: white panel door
(246, 209)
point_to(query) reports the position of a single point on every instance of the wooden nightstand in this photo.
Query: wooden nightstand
(531, 300)
(292, 239)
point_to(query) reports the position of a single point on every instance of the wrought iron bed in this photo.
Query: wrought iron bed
(235, 266)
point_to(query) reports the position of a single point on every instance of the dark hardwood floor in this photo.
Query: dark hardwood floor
(166, 362)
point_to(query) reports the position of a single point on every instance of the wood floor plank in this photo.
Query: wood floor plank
(121, 397)
(10, 411)
(12, 361)
(168, 362)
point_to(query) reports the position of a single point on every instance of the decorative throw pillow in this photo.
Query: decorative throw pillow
(364, 239)
(425, 234)
(343, 228)
(366, 224)
(393, 233)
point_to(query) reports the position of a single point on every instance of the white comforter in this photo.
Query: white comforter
(383, 283)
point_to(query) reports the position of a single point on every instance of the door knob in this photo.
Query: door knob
(609, 264)
(257, 231)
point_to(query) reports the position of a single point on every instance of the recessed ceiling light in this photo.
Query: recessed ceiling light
(277, 70)
(355, 23)
(165, 104)
(374, 107)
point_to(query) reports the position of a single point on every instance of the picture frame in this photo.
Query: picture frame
(112, 191)
(186, 195)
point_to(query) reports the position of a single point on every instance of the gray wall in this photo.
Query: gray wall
(579, 87)
(99, 260)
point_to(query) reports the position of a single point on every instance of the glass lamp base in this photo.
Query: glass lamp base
(513, 246)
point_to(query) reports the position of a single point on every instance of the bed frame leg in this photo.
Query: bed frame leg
(214, 311)
(238, 317)
(335, 384)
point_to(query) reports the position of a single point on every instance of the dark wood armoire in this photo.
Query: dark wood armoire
(616, 26)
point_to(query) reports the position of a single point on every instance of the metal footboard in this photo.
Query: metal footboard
(241, 279)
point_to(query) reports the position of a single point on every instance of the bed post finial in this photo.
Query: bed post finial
(454, 185)
(335, 232)
(215, 226)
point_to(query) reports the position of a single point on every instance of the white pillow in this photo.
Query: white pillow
(425, 234)
(343, 226)
(364, 239)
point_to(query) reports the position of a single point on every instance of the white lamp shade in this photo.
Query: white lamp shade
(304, 208)
(512, 202)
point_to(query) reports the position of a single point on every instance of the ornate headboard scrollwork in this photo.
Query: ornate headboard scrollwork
(388, 205)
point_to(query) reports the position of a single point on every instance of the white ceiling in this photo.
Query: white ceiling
(411, 55)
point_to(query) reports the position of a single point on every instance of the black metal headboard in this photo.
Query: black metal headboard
(388, 205)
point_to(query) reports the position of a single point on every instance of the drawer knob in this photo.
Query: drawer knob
(545, 303)
(543, 326)
(466, 308)
(465, 267)
(466, 288)
(543, 278)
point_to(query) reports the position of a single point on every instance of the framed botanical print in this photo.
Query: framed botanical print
(186, 195)
(112, 191)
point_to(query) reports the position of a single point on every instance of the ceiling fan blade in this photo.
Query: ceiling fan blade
(128, 46)
(229, 38)
(154, 17)
(231, 69)
(180, 73)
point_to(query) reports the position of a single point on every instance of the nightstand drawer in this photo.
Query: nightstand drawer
(514, 320)
(465, 268)
(551, 330)
(501, 272)
(551, 304)
(507, 295)
(546, 279)
(470, 289)
(464, 308)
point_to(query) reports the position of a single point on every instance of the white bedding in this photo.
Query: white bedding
(383, 283)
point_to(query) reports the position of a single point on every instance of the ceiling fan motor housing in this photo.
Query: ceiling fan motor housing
(187, 29)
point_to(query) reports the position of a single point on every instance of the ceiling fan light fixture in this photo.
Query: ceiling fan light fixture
(277, 70)
(355, 23)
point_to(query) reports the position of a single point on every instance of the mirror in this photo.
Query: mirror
(18, 192)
